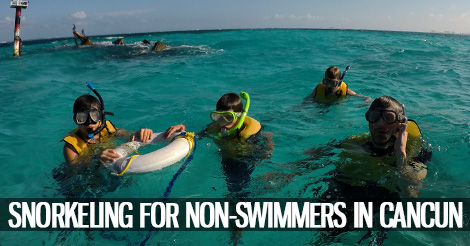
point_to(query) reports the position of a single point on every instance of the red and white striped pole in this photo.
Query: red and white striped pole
(16, 46)
(18, 5)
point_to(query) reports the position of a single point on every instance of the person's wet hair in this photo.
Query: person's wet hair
(333, 73)
(384, 102)
(230, 101)
(85, 102)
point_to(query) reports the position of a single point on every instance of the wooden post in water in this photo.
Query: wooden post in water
(17, 45)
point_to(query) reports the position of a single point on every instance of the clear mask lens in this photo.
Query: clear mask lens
(331, 82)
(82, 117)
(227, 117)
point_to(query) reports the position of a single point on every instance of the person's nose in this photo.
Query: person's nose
(381, 121)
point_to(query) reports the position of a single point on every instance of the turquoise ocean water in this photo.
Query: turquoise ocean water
(278, 68)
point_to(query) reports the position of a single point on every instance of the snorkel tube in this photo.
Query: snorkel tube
(231, 131)
(91, 135)
(405, 119)
(344, 73)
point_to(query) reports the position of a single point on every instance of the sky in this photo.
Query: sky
(54, 19)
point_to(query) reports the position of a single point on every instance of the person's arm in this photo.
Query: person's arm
(352, 93)
(313, 94)
(144, 135)
(310, 97)
(411, 172)
(173, 129)
(72, 157)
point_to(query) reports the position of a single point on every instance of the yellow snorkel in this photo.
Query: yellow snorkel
(232, 130)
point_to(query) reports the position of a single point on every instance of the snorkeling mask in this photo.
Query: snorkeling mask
(332, 83)
(229, 116)
(389, 116)
(93, 116)
(87, 117)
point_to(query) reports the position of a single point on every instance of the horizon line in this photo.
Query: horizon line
(6, 43)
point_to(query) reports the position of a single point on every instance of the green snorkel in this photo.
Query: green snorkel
(231, 131)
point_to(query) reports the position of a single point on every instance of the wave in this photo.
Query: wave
(113, 38)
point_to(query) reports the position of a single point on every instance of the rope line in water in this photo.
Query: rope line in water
(192, 148)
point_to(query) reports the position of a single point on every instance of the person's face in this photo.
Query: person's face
(85, 129)
(89, 128)
(224, 124)
(225, 119)
(332, 84)
(380, 130)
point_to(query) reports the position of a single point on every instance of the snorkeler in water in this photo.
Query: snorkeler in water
(388, 162)
(333, 87)
(239, 137)
(92, 138)
(242, 145)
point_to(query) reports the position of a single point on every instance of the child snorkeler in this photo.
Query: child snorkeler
(92, 137)
(240, 139)
(333, 87)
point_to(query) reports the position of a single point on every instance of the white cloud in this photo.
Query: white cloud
(79, 15)
(6, 20)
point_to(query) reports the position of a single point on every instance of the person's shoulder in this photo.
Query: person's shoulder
(250, 128)
(69, 152)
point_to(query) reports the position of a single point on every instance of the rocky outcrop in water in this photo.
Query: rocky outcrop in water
(159, 46)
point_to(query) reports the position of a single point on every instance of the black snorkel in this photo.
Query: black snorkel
(344, 73)
(91, 135)
(403, 117)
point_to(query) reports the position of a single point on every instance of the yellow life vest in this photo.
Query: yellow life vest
(79, 144)
(413, 129)
(252, 127)
(237, 144)
(321, 90)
